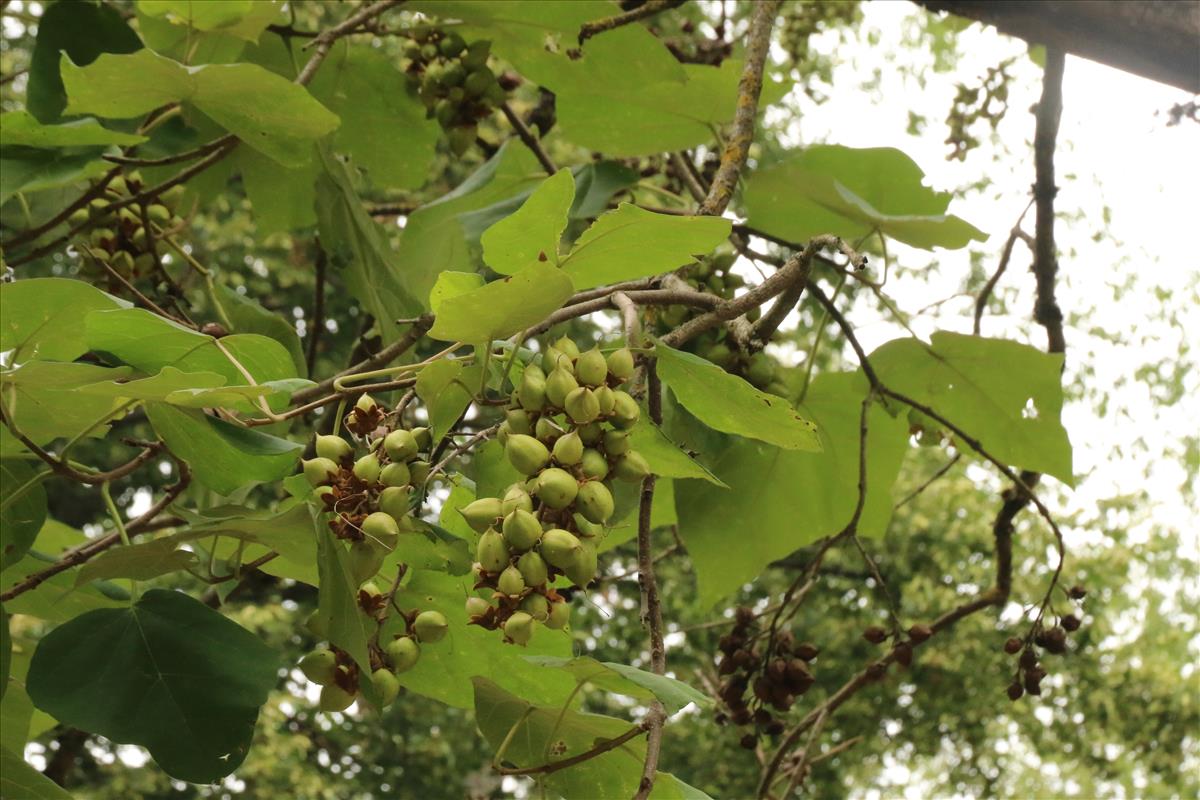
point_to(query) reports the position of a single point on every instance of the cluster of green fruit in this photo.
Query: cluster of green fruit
(566, 429)
(454, 82)
(119, 238)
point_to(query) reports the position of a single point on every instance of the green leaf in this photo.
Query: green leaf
(22, 128)
(269, 113)
(444, 388)
(782, 500)
(491, 470)
(664, 456)
(276, 393)
(19, 780)
(223, 457)
(287, 530)
(29, 171)
(83, 31)
(249, 316)
(56, 599)
(218, 46)
(503, 307)
(140, 562)
(451, 284)
(22, 510)
(168, 673)
(630, 243)
(728, 403)
(203, 16)
(338, 611)
(849, 192)
(1006, 394)
(16, 711)
(626, 680)
(283, 198)
(45, 400)
(5, 653)
(531, 233)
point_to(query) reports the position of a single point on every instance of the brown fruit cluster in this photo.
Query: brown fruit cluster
(1030, 672)
(774, 673)
(119, 238)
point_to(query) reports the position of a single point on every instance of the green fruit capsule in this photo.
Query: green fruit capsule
(364, 560)
(102, 237)
(98, 208)
(526, 453)
(122, 263)
(719, 354)
(586, 529)
(510, 581)
(565, 345)
(79, 217)
(381, 528)
(556, 359)
(395, 474)
(171, 197)
(761, 370)
(400, 445)
(536, 606)
(451, 45)
(560, 615)
(519, 628)
(318, 666)
(595, 502)
(386, 686)
(367, 468)
(582, 406)
(454, 75)
(631, 467)
(335, 698)
(477, 606)
(616, 443)
(521, 530)
(118, 186)
(582, 570)
(594, 464)
(516, 498)
(531, 394)
(403, 653)
(419, 470)
(430, 626)
(557, 487)
(395, 501)
(607, 400)
(559, 385)
(591, 369)
(429, 51)
(533, 569)
(366, 404)
(491, 552)
(518, 421)
(591, 434)
(620, 364)
(159, 214)
(568, 449)
(546, 431)
(479, 81)
(334, 448)
(319, 471)
(138, 239)
(477, 53)
(143, 263)
(481, 513)
(316, 625)
(625, 410)
(560, 548)
(129, 219)
(460, 138)
(496, 94)
(423, 437)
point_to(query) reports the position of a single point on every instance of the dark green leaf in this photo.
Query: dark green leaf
(249, 316)
(43, 317)
(531, 233)
(22, 510)
(20, 781)
(22, 129)
(25, 170)
(337, 600)
(140, 562)
(664, 456)
(5, 653)
(626, 680)
(446, 389)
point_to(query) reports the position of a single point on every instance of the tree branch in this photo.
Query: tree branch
(647, 9)
(528, 138)
(383, 357)
(1045, 262)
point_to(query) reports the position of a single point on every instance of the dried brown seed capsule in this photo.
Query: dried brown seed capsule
(919, 633)
(774, 728)
(876, 670)
(1056, 641)
(1015, 691)
(1077, 592)
(1070, 622)
(749, 741)
(875, 634)
(1028, 660)
(904, 654)
(1013, 645)
(742, 716)
(762, 717)
(744, 615)
(807, 651)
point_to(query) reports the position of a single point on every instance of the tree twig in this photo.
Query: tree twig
(528, 138)
(647, 9)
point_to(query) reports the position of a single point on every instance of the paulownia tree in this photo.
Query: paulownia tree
(555, 364)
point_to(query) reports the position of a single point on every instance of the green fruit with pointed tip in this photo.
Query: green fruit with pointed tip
(382, 528)
(451, 45)
(582, 570)
(591, 368)
(481, 513)
(477, 53)
(122, 263)
(565, 345)
(171, 197)
(364, 560)
(366, 404)
(526, 453)
(334, 448)
(477, 606)
(582, 406)
(395, 474)
(560, 548)
(319, 471)
(461, 138)
(521, 530)
(519, 628)
(430, 626)
(546, 431)
(533, 569)
(395, 501)
(454, 75)
(423, 437)
(320, 491)
(386, 686)
(631, 467)
(719, 354)
(367, 468)
(491, 552)
(400, 445)
(403, 653)
(502, 433)
(316, 625)
(585, 528)
(159, 214)
(568, 449)
(518, 421)
(594, 464)
(98, 208)
(556, 359)
(761, 370)
(510, 581)
(607, 400)
(560, 615)
(591, 434)
(557, 487)
(620, 364)
(143, 263)
(370, 589)
(559, 384)
(536, 606)
(419, 471)
(479, 81)
(625, 412)
(532, 392)
(335, 698)
(318, 666)
(101, 237)
(595, 502)
(79, 217)
(516, 498)
(118, 186)
(616, 443)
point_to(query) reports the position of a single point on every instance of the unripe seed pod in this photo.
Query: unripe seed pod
(510, 581)
(394, 501)
(366, 404)
(171, 197)
(122, 263)
(319, 471)
(546, 431)
(98, 208)
(586, 528)
(560, 548)
(559, 384)
(521, 530)
(477, 606)
(491, 553)
(335, 698)
(526, 453)
(316, 625)
(367, 468)
(364, 560)
(334, 448)
(533, 569)
(625, 412)
(320, 492)
(382, 528)
(582, 570)
(481, 513)
(761, 370)
(430, 626)
(607, 400)
(318, 666)
(395, 474)
(566, 345)
(386, 686)
(159, 214)
(631, 467)
(595, 502)
(557, 488)
(400, 445)
(419, 470)
(582, 406)
(478, 82)
(555, 358)
(536, 606)
(516, 498)
(477, 53)
(532, 391)
(143, 263)
(591, 434)
(128, 219)
(594, 464)
(403, 653)
(519, 628)
(568, 449)
(620, 364)
(79, 217)
(591, 369)
(517, 420)
(560, 615)
(102, 237)
(616, 443)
